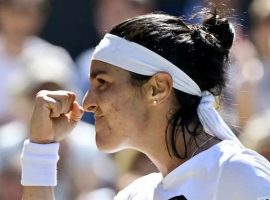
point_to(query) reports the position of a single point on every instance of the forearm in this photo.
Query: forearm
(55, 114)
(38, 193)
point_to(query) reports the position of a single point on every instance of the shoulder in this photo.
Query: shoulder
(145, 183)
(245, 175)
(248, 164)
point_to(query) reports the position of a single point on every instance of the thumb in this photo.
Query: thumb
(76, 112)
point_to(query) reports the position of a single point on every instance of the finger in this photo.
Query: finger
(56, 102)
(54, 106)
(76, 112)
(68, 121)
(51, 106)
(65, 98)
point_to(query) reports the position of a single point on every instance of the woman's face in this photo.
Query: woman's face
(119, 107)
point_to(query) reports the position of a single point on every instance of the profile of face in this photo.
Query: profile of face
(119, 108)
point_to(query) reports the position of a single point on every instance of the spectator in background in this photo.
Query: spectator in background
(256, 134)
(79, 152)
(108, 13)
(254, 95)
(256, 73)
(20, 21)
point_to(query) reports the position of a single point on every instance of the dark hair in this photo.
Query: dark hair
(200, 50)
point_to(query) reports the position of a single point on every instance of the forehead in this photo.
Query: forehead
(99, 67)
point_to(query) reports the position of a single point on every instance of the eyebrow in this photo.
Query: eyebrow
(95, 73)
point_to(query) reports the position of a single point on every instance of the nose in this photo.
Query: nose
(89, 102)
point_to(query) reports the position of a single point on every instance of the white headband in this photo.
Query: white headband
(138, 59)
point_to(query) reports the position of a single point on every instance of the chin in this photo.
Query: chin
(107, 147)
(106, 143)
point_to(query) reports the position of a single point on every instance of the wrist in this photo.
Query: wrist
(39, 164)
(43, 141)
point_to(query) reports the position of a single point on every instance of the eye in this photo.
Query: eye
(101, 82)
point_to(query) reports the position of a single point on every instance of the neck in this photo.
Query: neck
(159, 155)
(165, 163)
(154, 144)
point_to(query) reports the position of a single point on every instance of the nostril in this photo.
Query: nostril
(89, 102)
(91, 108)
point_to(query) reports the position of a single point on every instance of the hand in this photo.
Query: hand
(55, 114)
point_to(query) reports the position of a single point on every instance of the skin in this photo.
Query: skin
(127, 116)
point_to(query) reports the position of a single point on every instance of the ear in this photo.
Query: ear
(158, 88)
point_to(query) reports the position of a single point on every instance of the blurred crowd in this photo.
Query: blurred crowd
(32, 59)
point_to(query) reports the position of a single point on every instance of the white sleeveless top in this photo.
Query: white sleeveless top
(223, 172)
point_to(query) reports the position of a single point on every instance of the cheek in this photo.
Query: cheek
(119, 114)
(113, 130)
(127, 116)
(116, 102)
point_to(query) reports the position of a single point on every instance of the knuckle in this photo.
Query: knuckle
(63, 94)
(66, 96)
(40, 96)
(41, 93)
(71, 93)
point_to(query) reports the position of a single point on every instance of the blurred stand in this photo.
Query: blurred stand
(20, 21)
(82, 167)
(256, 134)
(252, 56)
(254, 96)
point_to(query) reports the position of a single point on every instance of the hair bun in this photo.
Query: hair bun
(221, 29)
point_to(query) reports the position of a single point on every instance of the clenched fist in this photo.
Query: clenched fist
(55, 114)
